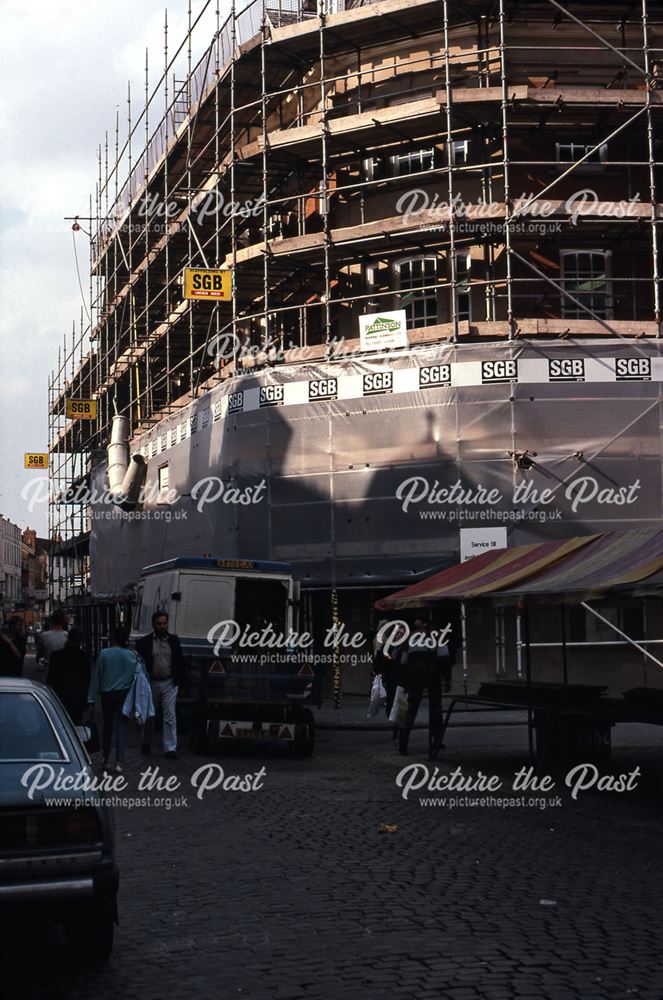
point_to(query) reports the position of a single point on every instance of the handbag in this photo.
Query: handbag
(398, 714)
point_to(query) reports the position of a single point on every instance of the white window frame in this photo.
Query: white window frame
(429, 296)
(582, 148)
(465, 294)
(401, 158)
(370, 272)
(458, 145)
(566, 305)
(164, 488)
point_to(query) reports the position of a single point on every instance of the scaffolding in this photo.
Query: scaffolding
(350, 158)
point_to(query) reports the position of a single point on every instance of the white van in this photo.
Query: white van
(233, 618)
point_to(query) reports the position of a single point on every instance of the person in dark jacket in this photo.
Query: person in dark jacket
(164, 662)
(69, 675)
(427, 666)
(10, 656)
(18, 636)
(388, 665)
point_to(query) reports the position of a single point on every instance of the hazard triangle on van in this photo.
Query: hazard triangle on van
(217, 668)
(306, 671)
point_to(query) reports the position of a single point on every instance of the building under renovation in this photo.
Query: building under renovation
(442, 223)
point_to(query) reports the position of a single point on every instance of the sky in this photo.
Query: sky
(65, 67)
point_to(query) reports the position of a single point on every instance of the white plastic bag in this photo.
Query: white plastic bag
(398, 714)
(378, 697)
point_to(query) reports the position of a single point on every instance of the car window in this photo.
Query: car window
(26, 732)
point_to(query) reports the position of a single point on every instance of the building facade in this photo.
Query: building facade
(406, 169)
(10, 565)
(34, 576)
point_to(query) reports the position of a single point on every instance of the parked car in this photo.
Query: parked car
(57, 848)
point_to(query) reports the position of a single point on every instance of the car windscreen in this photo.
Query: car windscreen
(26, 732)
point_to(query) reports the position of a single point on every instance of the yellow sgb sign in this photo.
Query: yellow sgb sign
(35, 460)
(82, 409)
(202, 283)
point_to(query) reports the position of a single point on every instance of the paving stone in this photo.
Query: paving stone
(291, 893)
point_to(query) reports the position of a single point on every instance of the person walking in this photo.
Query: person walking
(69, 675)
(164, 661)
(389, 666)
(112, 677)
(53, 639)
(424, 670)
(10, 656)
(18, 636)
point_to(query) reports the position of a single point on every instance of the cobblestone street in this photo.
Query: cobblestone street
(293, 892)
(331, 514)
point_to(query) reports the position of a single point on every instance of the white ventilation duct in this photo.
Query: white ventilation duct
(125, 475)
(118, 454)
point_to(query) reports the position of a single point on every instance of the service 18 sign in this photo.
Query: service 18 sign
(476, 541)
(35, 460)
(201, 283)
(82, 409)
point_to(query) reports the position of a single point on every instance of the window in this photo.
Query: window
(420, 306)
(459, 152)
(585, 274)
(259, 602)
(413, 163)
(569, 152)
(163, 479)
(206, 601)
(26, 732)
(463, 267)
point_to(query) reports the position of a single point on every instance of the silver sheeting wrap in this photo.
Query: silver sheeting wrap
(332, 467)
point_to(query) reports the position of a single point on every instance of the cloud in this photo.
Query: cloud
(65, 76)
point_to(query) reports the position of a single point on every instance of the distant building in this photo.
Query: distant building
(10, 565)
(34, 575)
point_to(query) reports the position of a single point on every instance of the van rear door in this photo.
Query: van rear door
(207, 598)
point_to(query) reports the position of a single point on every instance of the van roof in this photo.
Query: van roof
(212, 562)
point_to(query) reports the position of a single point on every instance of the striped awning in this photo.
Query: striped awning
(588, 564)
(491, 571)
(615, 561)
